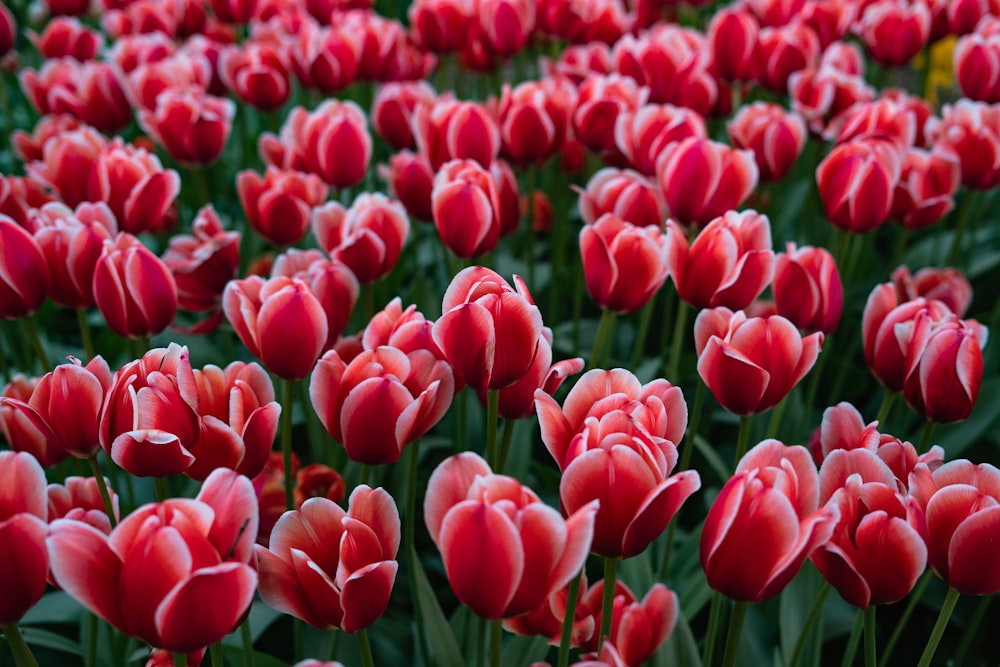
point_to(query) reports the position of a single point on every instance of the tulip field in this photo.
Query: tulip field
(499, 333)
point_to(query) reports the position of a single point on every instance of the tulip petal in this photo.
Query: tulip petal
(206, 607)
(657, 510)
(449, 485)
(150, 453)
(24, 564)
(466, 336)
(718, 365)
(84, 565)
(365, 595)
(280, 587)
(543, 537)
(377, 509)
(974, 552)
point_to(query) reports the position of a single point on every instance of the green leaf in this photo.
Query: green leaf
(261, 617)
(794, 606)
(234, 656)
(520, 651)
(51, 640)
(680, 648)
(55, 607)
(440, 639)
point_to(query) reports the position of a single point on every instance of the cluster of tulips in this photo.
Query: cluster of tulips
(216, 449)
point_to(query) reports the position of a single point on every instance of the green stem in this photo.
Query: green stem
(645, 318)
(680, 324)
(897, 254)
(742, 439)
(411, 496)
(4, 366)
(215, 652)
(857, 244)
(915, 596)
(568, 619)
(851, 649)
(102, 486)
(508, 434)
(248, 657)
(972, 631)
(180, 659)
(529, 247)
(811, 618)
(91, 640)
(942, 622)
(713, 629)
(971, 202)
(22, 654)
(162, 488)
(815, 374)
(286, 443)
(496, 642)
(85, 335)
(608, 599)
(368, 292)
(925, 437)
(461, 436)
(777, 413)
(31, 331)
(602, 340)
(885, 409)
(871, 656)
(733, 636)
(365, 649)
(492, 418)
(366, 474)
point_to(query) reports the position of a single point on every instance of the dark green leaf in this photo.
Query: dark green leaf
(440, 639)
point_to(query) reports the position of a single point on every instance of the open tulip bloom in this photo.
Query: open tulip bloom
(450, 325)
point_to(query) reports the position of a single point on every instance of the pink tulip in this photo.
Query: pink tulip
(23, 513)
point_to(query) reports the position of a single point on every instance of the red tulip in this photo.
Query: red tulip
(961, 506)
(972, 131)
(821, 94)
(8, 31)
(601, 100)
(466, 206)
(807, 288)
(389, 52)
(239, 419)
(487, 523)
(964, 15)
(257, 73)
(412, 180)
(318, 481)
(332, 568)
(79, 499)
(18, 431)
(770, 502)
(368, 237)
(233, 11)
(775, 136)
(547, 619)
(279, 205)
(134, 289)
(894, 31)
(733, 36)
(23, 513)
(509, 198)
(489, 331)
(750, 364)
(642, 135)
(949, 286)
(24, 272)
(280, 321)
(64, 408)
(92, 91)
(381, 401)
(177, 72)
(332, 282)
(783, 51)
(326, 58)
(925, 192)
(505, 25)
(729, 263)
(67, 37)
(193, 128)
(456, 130)
(533, 119)
(616, 440)
(149, 420)
(829, 19)
(627, 194)
(152, 576)
(875, 554)
(203, 263)
(623, 265)
(393, 109)
(977, 62)
(638, 629)
(856, 182)
(441, 26)
(944, 367)
(702, 179)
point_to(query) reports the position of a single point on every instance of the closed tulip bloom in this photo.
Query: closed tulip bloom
(17, 431)
(944, 367)
(368, 237)
(331, 568)
(783, 51)
(641, 135)
(961, 506)
(702, 179)
(441, 26)
(151, 577)
(72, 242)
(279, 206)
(770, 502)
(325, 58)
(79, 498)
(466, 207)
(66, 36)
(239, 419)
(412, 180)
(616, 441)
(192, 127)
(406, 330)
(380, 401)
(23, 513)
(729, 263)
(822, 94)
(92, 91)
(977, 62)
(733, 36)
(601, 100)
(884, 116)
(204, 262)
(750, 364)
(483, 522)
(489, 331)
(280, 321)
(894, 31)
(972, 131)
(624, 265)
(257, 73)
(24, 272)
(64, 408)
(533, 121)
(856, 182)
(807, 288)
(134, 289)
(638, 628)
(393, 109)
(949, 286)
(505, 25)
(876, 552)
(627, 194)
(453, 129)
(332, 282)
(925, 192)
(775, 136)
(174, 72)
(8, 31)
